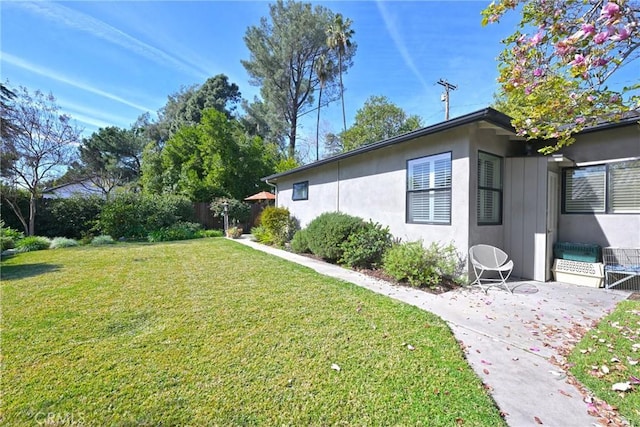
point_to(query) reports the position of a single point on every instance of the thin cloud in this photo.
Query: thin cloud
(91, 121)
(20, 63)
(398, 41)
(100, 29)
(97, 117)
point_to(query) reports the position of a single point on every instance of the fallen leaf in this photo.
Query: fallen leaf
(538, 420)
(564, 393)
(534, 349)
(604, 369)
(486, 371)
(335, 367)
(634, 380)
(484, 362)
(410, 347)
(621, 386)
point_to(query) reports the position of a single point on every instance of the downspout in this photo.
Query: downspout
(338, 189)
(275, 187)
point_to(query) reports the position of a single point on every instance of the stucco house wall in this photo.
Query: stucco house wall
(616, 230)
(374, 186)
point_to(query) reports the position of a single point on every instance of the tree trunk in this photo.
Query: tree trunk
(318, 126)
(292, 135)
(344, 120)
(32, 215)
(16, 210)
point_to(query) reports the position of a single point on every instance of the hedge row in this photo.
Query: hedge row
(349, 240)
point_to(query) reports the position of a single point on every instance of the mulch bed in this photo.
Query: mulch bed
(377, 273)
(441, 288)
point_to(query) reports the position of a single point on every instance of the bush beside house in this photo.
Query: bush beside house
(350, 241)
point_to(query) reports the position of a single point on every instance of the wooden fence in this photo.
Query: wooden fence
(205, 217)
(210, 221)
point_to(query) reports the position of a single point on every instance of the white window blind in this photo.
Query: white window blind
(489, 207)
(585, 189)
(624, 184)
(429, 189)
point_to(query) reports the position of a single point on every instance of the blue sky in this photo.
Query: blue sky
(109, 62)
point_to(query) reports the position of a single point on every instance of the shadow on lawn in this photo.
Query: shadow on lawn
(14, 272)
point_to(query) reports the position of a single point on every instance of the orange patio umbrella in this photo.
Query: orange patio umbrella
(263, 195)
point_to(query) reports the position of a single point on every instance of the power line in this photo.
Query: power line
(445, 96)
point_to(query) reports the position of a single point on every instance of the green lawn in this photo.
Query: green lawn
(210, 332)
(610, 354)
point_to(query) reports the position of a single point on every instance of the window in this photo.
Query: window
(624, 182)
(611, 188)
(585, 189)
(429, 189)
(489, 207)
(300, 191)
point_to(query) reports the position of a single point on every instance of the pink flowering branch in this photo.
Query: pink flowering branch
(565, 48)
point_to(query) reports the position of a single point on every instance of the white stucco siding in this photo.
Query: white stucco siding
(620, 231)
(323, 193)
(373, 186)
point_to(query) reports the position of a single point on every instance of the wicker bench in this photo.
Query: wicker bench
(620, 265)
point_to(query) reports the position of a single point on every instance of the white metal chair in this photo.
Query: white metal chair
(487, 259)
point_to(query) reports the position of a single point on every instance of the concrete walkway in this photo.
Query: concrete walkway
(510, 339)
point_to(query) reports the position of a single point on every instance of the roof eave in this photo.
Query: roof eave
(488, 114)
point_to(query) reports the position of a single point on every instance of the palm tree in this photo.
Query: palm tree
(339, 39)
(323, 69)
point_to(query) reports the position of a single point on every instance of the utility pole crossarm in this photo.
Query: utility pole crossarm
(445, 96)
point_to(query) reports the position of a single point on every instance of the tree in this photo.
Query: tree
(42, 147)
(283, 53)
(215, 158)
(111, 157)
(339, 36)
(555, 80)
(7, 128)
(379, 119)
(185, 107)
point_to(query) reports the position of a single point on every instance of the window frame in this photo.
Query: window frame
(434, 189)
(608, 189)
(499, 190)
(306, 191)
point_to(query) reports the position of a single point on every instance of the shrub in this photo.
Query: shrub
(234, 232)
(32, 243)
(278, 224)
(103, 239)
(8, 237)
(327, 232)
(6, 243)
(239, 212)
(63, 242)
(73, 217)
(366, 246)
(300, 242)
(211, 233)
(418, 266)
(448, 263)
(262, 235)
(132, 215)
(177, 231)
